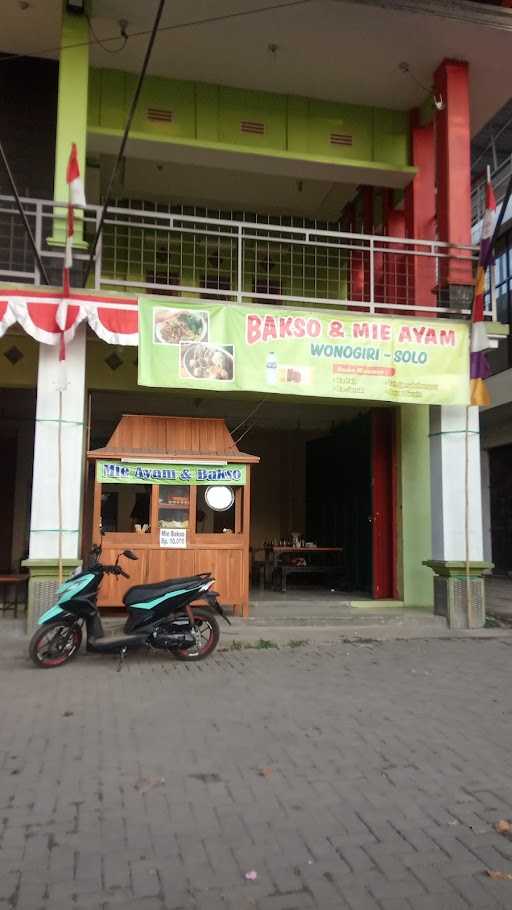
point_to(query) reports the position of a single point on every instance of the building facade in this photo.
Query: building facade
(265, 167)
(496, 431)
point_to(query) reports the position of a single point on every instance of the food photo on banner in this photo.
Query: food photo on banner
(328, 353)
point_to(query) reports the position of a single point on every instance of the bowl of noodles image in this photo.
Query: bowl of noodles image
(207, 362)
(177, 326)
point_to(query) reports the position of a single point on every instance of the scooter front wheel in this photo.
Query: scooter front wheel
(207, 633)
(54, 644)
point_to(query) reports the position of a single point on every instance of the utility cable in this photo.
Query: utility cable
(250, 414)
(99, 41)
(407, 71)
(248, 430)
(124, 140)
(23, 215)
(207, 20)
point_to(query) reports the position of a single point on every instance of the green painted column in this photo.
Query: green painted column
(414, 489)
(71, 116)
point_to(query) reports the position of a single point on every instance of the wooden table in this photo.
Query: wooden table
(14, 582)
(273, 555)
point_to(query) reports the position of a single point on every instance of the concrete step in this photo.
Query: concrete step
(354, 618)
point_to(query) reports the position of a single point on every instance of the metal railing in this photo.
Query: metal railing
(499, 178)
(161, 250)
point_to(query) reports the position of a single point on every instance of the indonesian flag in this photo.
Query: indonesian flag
(74, 181)
(76, 197)
(479, 367)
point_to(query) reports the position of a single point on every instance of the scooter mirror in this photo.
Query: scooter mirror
(130, 554)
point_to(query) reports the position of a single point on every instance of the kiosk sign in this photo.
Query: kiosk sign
(308, 352)
(178, 474)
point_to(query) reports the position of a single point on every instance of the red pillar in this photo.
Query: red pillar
(395, 277)
(453, 166)
(420, 214)
(383, 503)
(380, 229)
(359, 260)
(367, 229)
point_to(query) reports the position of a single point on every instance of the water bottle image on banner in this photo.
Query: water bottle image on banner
(271, 368)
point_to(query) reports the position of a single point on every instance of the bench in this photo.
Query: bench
(16, 583)
(284, 570)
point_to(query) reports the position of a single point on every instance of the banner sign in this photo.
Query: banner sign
(321, 353)
(175, 538)
(180, 474)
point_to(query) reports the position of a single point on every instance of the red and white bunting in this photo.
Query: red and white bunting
(113, 319)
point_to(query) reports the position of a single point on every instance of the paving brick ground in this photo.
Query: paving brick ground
(360, 776)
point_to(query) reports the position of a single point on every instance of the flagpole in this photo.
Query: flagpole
(76, 197)
(466, 520)
(59, 487)
(491, 264)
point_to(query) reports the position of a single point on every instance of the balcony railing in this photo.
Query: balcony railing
(181, 253)
(500, 178)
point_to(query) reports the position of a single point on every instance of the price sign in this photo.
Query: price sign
(175, 538)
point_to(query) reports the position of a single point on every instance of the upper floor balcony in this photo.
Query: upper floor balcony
(238, 257)
(500, 177)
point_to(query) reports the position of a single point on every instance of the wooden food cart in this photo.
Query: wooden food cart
(176, 491)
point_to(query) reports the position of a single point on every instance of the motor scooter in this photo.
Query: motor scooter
(176, 615)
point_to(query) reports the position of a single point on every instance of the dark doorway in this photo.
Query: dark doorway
(350, 501)
(339, 499)
(8, 453)
(500, 465)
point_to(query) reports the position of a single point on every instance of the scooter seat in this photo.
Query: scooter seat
(143, 593)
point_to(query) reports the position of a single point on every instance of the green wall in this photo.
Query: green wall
(212, 115)
(414, 498)
(19, 372)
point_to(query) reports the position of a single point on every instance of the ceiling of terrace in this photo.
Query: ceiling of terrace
(331, 49)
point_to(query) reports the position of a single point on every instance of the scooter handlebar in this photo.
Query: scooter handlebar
(114, 570)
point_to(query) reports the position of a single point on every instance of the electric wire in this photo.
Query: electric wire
(407, 71)
(99, 41)
(131, 112)
(249, 415)
(11, 58)
(248, 430)
(23, 214)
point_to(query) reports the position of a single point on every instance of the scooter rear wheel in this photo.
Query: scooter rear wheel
(54, 644)
(209, 632)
